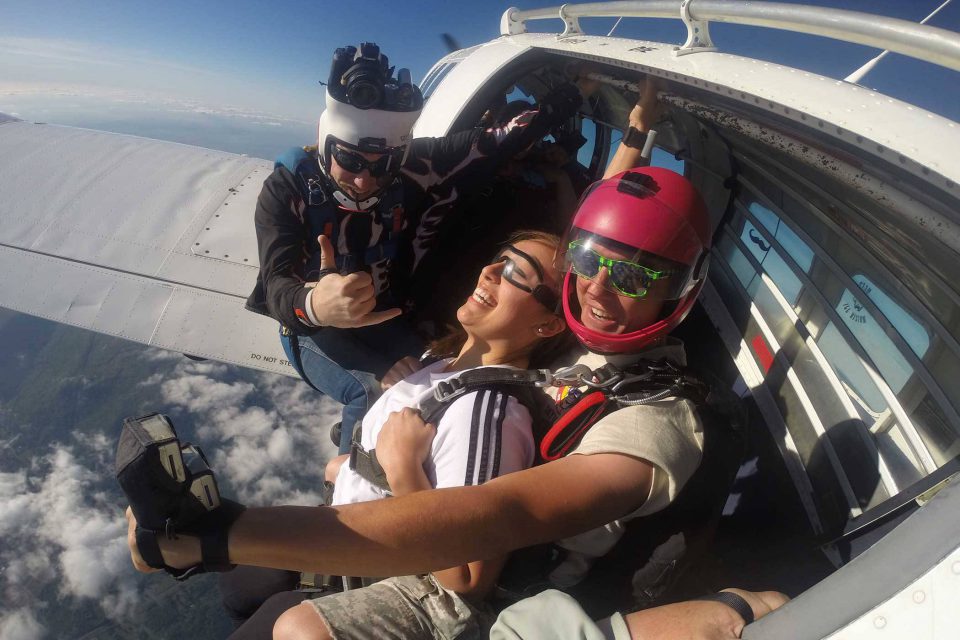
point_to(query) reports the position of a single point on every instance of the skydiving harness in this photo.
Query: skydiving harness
(322, 215)
(607, 389)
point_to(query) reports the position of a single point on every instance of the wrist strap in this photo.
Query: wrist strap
(634, 138)
(733, 601)
(308, 303)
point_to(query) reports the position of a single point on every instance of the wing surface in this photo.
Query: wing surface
(145, 240)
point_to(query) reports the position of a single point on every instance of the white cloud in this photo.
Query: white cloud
(59, 68)
(56, 525)
(60, 514)
(71, 51)
(21, 624)
(269, 454)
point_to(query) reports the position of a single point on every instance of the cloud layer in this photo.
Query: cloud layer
(267, 438)
(61, 520)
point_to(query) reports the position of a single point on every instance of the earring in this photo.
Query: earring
(540, 330)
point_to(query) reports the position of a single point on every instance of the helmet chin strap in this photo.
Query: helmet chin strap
(354, 205)
(343, 199)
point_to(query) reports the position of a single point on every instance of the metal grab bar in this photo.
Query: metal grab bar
(930, 44)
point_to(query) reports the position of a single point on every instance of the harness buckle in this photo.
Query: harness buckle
(604, 378)
(572, 376)
(449, 389)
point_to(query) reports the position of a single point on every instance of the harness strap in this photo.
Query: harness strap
(432, 407)
(365, 462)
(572, 424)
(366, 465)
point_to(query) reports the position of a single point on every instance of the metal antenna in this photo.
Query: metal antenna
(617, 24)
(857, 75)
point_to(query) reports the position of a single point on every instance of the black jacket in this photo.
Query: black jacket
(437, 171)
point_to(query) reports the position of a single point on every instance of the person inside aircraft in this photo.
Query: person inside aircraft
(636, 260)
(509, 320)
(528, 191)
(342, 227)
(637, 458)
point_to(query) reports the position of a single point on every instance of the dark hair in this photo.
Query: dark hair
(545, 351)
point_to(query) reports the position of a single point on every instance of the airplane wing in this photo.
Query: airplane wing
(145, 240)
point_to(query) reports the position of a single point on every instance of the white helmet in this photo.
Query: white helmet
(383, 125)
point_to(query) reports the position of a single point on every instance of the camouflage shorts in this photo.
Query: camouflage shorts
(405, 607)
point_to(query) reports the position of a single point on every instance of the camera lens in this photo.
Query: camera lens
(364, 94)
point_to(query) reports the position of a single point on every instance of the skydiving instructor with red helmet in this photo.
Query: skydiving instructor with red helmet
(636, 257)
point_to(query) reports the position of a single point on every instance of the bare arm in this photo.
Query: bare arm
(643, 116)
(700, 620)
(431, 530)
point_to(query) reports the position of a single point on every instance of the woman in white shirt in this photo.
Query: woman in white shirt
(509, 320)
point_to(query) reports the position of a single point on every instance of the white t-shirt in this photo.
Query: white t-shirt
(482, 435)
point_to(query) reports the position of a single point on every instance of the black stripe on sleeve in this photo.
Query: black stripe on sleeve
(492, 406)
(474, 434)
(498, 436)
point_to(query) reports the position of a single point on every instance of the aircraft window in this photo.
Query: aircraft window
(858, 362)
(911, 330)
(737, 262)
(848, 447)
(766, 248)
(516, 93)
(895, 447)
(791, 243)
(891, 364)
(771, 262)
(588, 128)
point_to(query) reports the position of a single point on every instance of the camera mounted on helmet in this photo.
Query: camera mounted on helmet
(642, 230)
(368, 112)
(364, 79)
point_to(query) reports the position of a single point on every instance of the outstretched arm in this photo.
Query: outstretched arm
(701, 620)
(644, 115)
(431, 530)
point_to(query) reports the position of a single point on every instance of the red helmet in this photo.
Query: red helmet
(657, 217)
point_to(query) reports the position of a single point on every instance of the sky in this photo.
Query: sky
(244, 77)
(256, 63)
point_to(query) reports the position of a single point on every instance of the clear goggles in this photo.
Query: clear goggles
(525, 273)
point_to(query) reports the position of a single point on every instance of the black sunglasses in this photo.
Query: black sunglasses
(356, 163)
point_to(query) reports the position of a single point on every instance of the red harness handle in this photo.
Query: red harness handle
(574, 422)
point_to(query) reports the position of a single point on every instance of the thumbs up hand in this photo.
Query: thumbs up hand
(344, 301)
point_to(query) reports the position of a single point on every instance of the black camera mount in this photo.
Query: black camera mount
(171, 489)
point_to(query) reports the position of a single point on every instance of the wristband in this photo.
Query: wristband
(634, 138)
(308, 303)
(735, 602)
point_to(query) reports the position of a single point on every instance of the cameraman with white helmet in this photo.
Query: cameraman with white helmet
(342, 227)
